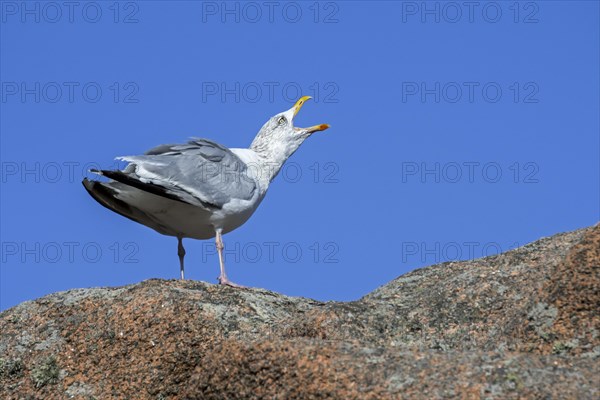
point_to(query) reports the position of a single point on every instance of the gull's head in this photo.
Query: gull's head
(279, 135)
(282, 124)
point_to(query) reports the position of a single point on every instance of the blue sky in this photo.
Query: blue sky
(455, 133)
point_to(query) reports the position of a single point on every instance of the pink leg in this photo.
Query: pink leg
(223, 280)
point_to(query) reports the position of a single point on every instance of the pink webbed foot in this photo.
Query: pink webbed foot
(223, 280)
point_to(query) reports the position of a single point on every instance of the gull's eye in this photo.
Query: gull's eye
(282, 121)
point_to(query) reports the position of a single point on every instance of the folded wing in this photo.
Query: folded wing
(200, 172)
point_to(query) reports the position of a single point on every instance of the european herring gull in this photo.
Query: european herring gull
(201, 189)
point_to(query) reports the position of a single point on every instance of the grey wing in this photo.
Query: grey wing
(200, 171)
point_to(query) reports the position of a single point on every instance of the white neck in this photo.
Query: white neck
(273, 153)
(263, 169)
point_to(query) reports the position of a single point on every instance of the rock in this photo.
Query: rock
(523, 324)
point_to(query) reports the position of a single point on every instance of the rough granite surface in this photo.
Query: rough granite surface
(522, 324)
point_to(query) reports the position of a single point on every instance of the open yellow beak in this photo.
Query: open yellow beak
(298, 106)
